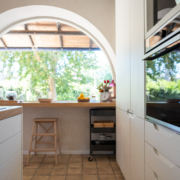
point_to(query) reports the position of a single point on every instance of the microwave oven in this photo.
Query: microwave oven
(163, 84)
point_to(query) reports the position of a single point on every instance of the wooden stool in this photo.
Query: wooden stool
(34, 136)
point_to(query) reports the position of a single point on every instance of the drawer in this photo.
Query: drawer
(9, 127)
(150, 174)
(160, 164)
(11, 170)
(10, 147)
(164, 140)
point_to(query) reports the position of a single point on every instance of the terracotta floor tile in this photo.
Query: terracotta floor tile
(76, 155)
(49, 159)
(27, 177)
(85, 160)
(29, 172)
(40, 178)
(59, 172)
(90, 171)
(86, 155)
(74, 171)
(57, 178)
(117, 170)
(89, 165)
(48, 165)
(76, 159)
(119, 177)
(105, 171)
(107, 177)
(36, 159)
(112, 159)
(50, 156)
(74, 177)
(114, 164)
(33, 165)
(43, 172)
(90, 177)
(75, 165)
(101, 165)
(63, 159)
(61, 165)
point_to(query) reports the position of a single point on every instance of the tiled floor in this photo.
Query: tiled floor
(71, 167)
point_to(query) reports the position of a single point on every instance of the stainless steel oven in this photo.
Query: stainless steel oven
(163, 84)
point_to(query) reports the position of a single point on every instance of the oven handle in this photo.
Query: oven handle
(162, 46)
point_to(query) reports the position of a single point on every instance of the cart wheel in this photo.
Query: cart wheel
(90, 158)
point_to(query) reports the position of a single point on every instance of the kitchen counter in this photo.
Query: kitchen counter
(59, 104)
(9, 111)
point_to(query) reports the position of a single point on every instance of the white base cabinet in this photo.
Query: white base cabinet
(11, 148)
(130, 145)
(123, 136)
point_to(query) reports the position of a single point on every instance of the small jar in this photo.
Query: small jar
(11, 95)
(93, 99)
(102, 137)
(109, 138)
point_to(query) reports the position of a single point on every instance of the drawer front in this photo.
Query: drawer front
(10, 127)
(9, 147)
(164, 140)
(11, 170)
(150, 174)
(160, 164)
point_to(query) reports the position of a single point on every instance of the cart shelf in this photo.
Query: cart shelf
(102, 130)
(106, 146)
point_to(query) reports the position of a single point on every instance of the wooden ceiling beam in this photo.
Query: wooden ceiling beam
(30, 38)
(60, 36)
(47, 49)
(62, 33)
(4, 44)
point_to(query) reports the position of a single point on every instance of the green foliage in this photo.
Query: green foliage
(71, 71)
(161, 77)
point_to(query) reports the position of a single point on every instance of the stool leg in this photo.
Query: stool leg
(58, 139)
(30, 144)
(55, 141)
(36, 137)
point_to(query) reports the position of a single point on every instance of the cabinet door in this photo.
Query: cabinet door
(137, 148)
(123, 142)
(137, 52)
(123, 66)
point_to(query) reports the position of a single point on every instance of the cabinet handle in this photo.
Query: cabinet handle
(156, 176)
(163, 158)
(168, 134)
(129, 111)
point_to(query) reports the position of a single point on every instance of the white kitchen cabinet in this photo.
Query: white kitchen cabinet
(123, 135)
(137, 148)
(164, 140)
(160, 164)
(123, 66)
(137, 52)
(11, 151)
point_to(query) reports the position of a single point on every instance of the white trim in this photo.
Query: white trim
(63, 152)
(17, 16)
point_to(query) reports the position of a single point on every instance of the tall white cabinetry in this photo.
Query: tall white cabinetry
(130, 87)
(11, 164)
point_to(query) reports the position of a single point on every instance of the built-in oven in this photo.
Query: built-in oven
(163, 84)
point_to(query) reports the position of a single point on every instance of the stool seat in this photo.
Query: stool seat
(35, 136)
(45, 120)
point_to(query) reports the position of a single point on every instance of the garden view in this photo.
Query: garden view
(61, 75)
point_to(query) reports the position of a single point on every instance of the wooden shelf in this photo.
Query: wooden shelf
(102, 130)
(60, 104)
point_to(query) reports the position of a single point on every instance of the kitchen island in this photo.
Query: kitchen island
(11, 142)
(73, 123)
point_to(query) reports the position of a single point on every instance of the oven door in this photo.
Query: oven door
(163, 84)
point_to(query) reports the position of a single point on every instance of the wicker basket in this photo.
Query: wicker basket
(83, 100)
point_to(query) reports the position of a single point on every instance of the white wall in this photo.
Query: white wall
(101, 13)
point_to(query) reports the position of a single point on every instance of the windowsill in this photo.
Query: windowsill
(59, 104)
